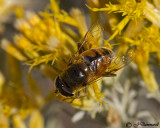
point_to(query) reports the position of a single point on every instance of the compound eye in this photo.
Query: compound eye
(62, 88)
(66, 91)
(58, 82)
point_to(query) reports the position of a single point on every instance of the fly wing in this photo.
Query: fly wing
(120, 61)
(92, 39)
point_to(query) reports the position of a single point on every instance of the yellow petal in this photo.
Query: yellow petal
(1, 82)
(19, 12)
(36, 120)
(4, 122)
(149, 78)
(95, 92)
(8, 47)
(152, 14)
(18, 122)
(15, 71)
(141, 59)
(80, 20)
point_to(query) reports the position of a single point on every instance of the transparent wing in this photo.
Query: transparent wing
(93, 38)
(95, 79)
(120, 61)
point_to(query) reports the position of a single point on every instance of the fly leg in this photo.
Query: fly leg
(79, 96)
(108, 74)
(82, 96)
(79, 93)
(69, 98)
(85, 90)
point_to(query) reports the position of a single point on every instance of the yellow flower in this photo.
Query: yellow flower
(15, 103)
(49, 44)
(131, 10)
(134, 31)
(146, 45)
(36, 120)
(7, 7)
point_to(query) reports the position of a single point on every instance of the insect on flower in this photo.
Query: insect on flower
(89, 64)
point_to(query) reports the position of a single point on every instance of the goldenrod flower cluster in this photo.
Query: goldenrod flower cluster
(138, 27)
(44, 42)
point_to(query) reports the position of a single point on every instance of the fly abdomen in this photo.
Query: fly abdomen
(97, 58)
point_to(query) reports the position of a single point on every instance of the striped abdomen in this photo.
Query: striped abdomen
(97, 59)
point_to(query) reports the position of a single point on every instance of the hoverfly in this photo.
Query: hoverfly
(89, 64)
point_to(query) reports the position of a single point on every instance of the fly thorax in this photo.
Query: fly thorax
(75, 75)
